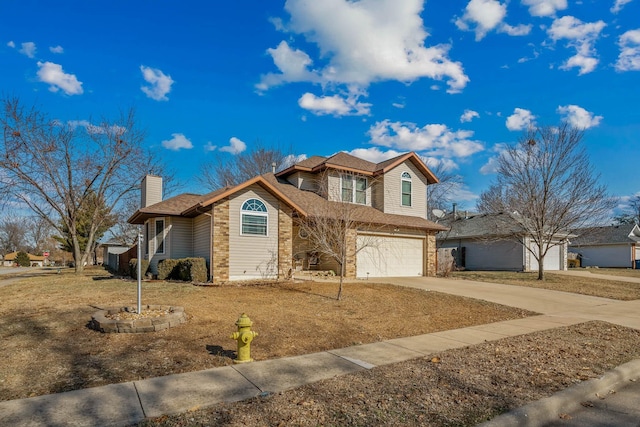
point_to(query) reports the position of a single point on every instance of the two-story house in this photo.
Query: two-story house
(252, 230)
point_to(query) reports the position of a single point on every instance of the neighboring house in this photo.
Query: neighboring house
(252, 230)
(111, 251)
(613, 246)
(494, 242)
(36, 260)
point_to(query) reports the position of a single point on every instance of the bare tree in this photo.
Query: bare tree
(13, 234)
(228, 170)
(547, 180)
(332, 225)
(440, 195)
(39, 234)
(631, 215)
(56, 169)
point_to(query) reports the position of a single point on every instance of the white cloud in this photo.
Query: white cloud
(578, 117)
(520, 119)
(11, 44)
(210, 147)
(468, 115)
(618, 5)
(518, 30)
(374, 154)
(361, 43)
(443, 164)
(582, 36)
(629, 58)
(235, 146)
(492, 164)
(432, 139)
(177, 142)
(29, 49)
(398, 104)
(54, 75)
(335, 105)
(484, 15)
(113, 130)
(56, 49)
(160, 83)
(545, 7)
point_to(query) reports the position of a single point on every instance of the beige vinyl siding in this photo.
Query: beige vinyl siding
(150, 191)
(304, 181)
(153, 242)
(253, 256)
(377, 193)
(181, 238)
(392, 191)
(202, 237)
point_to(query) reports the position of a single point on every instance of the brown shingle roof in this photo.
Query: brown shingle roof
(347, 162)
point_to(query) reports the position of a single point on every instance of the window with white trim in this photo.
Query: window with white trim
(405, 183)
(254, 218)
(354, 189)
(159, 236)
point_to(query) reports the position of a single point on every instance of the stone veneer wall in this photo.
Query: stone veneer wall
(430, 252)
(285, 242)
(220, 242)
(350, 267)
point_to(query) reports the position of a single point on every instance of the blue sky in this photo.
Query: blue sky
(452, 80)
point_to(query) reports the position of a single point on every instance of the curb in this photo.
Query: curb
(548, 409)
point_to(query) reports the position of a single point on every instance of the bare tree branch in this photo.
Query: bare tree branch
(548, 182)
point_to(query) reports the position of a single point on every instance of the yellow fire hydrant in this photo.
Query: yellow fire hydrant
(244, 336)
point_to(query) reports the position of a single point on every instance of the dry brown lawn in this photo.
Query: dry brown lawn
(593, 286)
(48, 348)
(465, 387)
(626, 272)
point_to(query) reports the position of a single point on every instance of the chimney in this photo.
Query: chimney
(150, 190)
(273, 167)
(455, 211)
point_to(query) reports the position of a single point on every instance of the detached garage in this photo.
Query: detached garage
(385, 256)
(617, 246)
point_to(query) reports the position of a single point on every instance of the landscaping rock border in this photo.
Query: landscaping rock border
(100, 322)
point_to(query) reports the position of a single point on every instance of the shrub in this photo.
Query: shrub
(185, 269)
(193, 270)
(133, 267)
(22, 259)
(168, 269)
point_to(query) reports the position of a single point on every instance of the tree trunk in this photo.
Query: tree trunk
(541, 268)
(341, 279)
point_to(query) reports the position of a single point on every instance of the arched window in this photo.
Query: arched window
(254, 218)
(406, 188)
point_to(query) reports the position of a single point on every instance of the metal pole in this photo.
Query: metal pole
(139, 270)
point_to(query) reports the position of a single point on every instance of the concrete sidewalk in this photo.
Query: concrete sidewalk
(580, 272)
(128, 403)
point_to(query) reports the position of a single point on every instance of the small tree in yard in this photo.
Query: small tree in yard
(57, 170)
(331, 227)
(547, 180)
(22, 259)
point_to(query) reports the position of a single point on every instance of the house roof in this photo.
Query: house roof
(488, 225)
(348, 163)
(305, 203)
(614, 234)
(481, 225)
(12, 256)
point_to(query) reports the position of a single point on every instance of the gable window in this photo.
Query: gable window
(354, 189)
(159, 236)
(405, 181)
(254, 218)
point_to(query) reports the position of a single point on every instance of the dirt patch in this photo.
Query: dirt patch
(593, 286)
(48, 348)
(467, 386)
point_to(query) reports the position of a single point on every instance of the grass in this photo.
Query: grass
(48, 348)
(593, 286)
(625, 272)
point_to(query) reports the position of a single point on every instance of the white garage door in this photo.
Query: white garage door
(551, 260)
(389, 257)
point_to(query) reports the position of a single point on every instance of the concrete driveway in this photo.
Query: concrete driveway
(554, 303)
